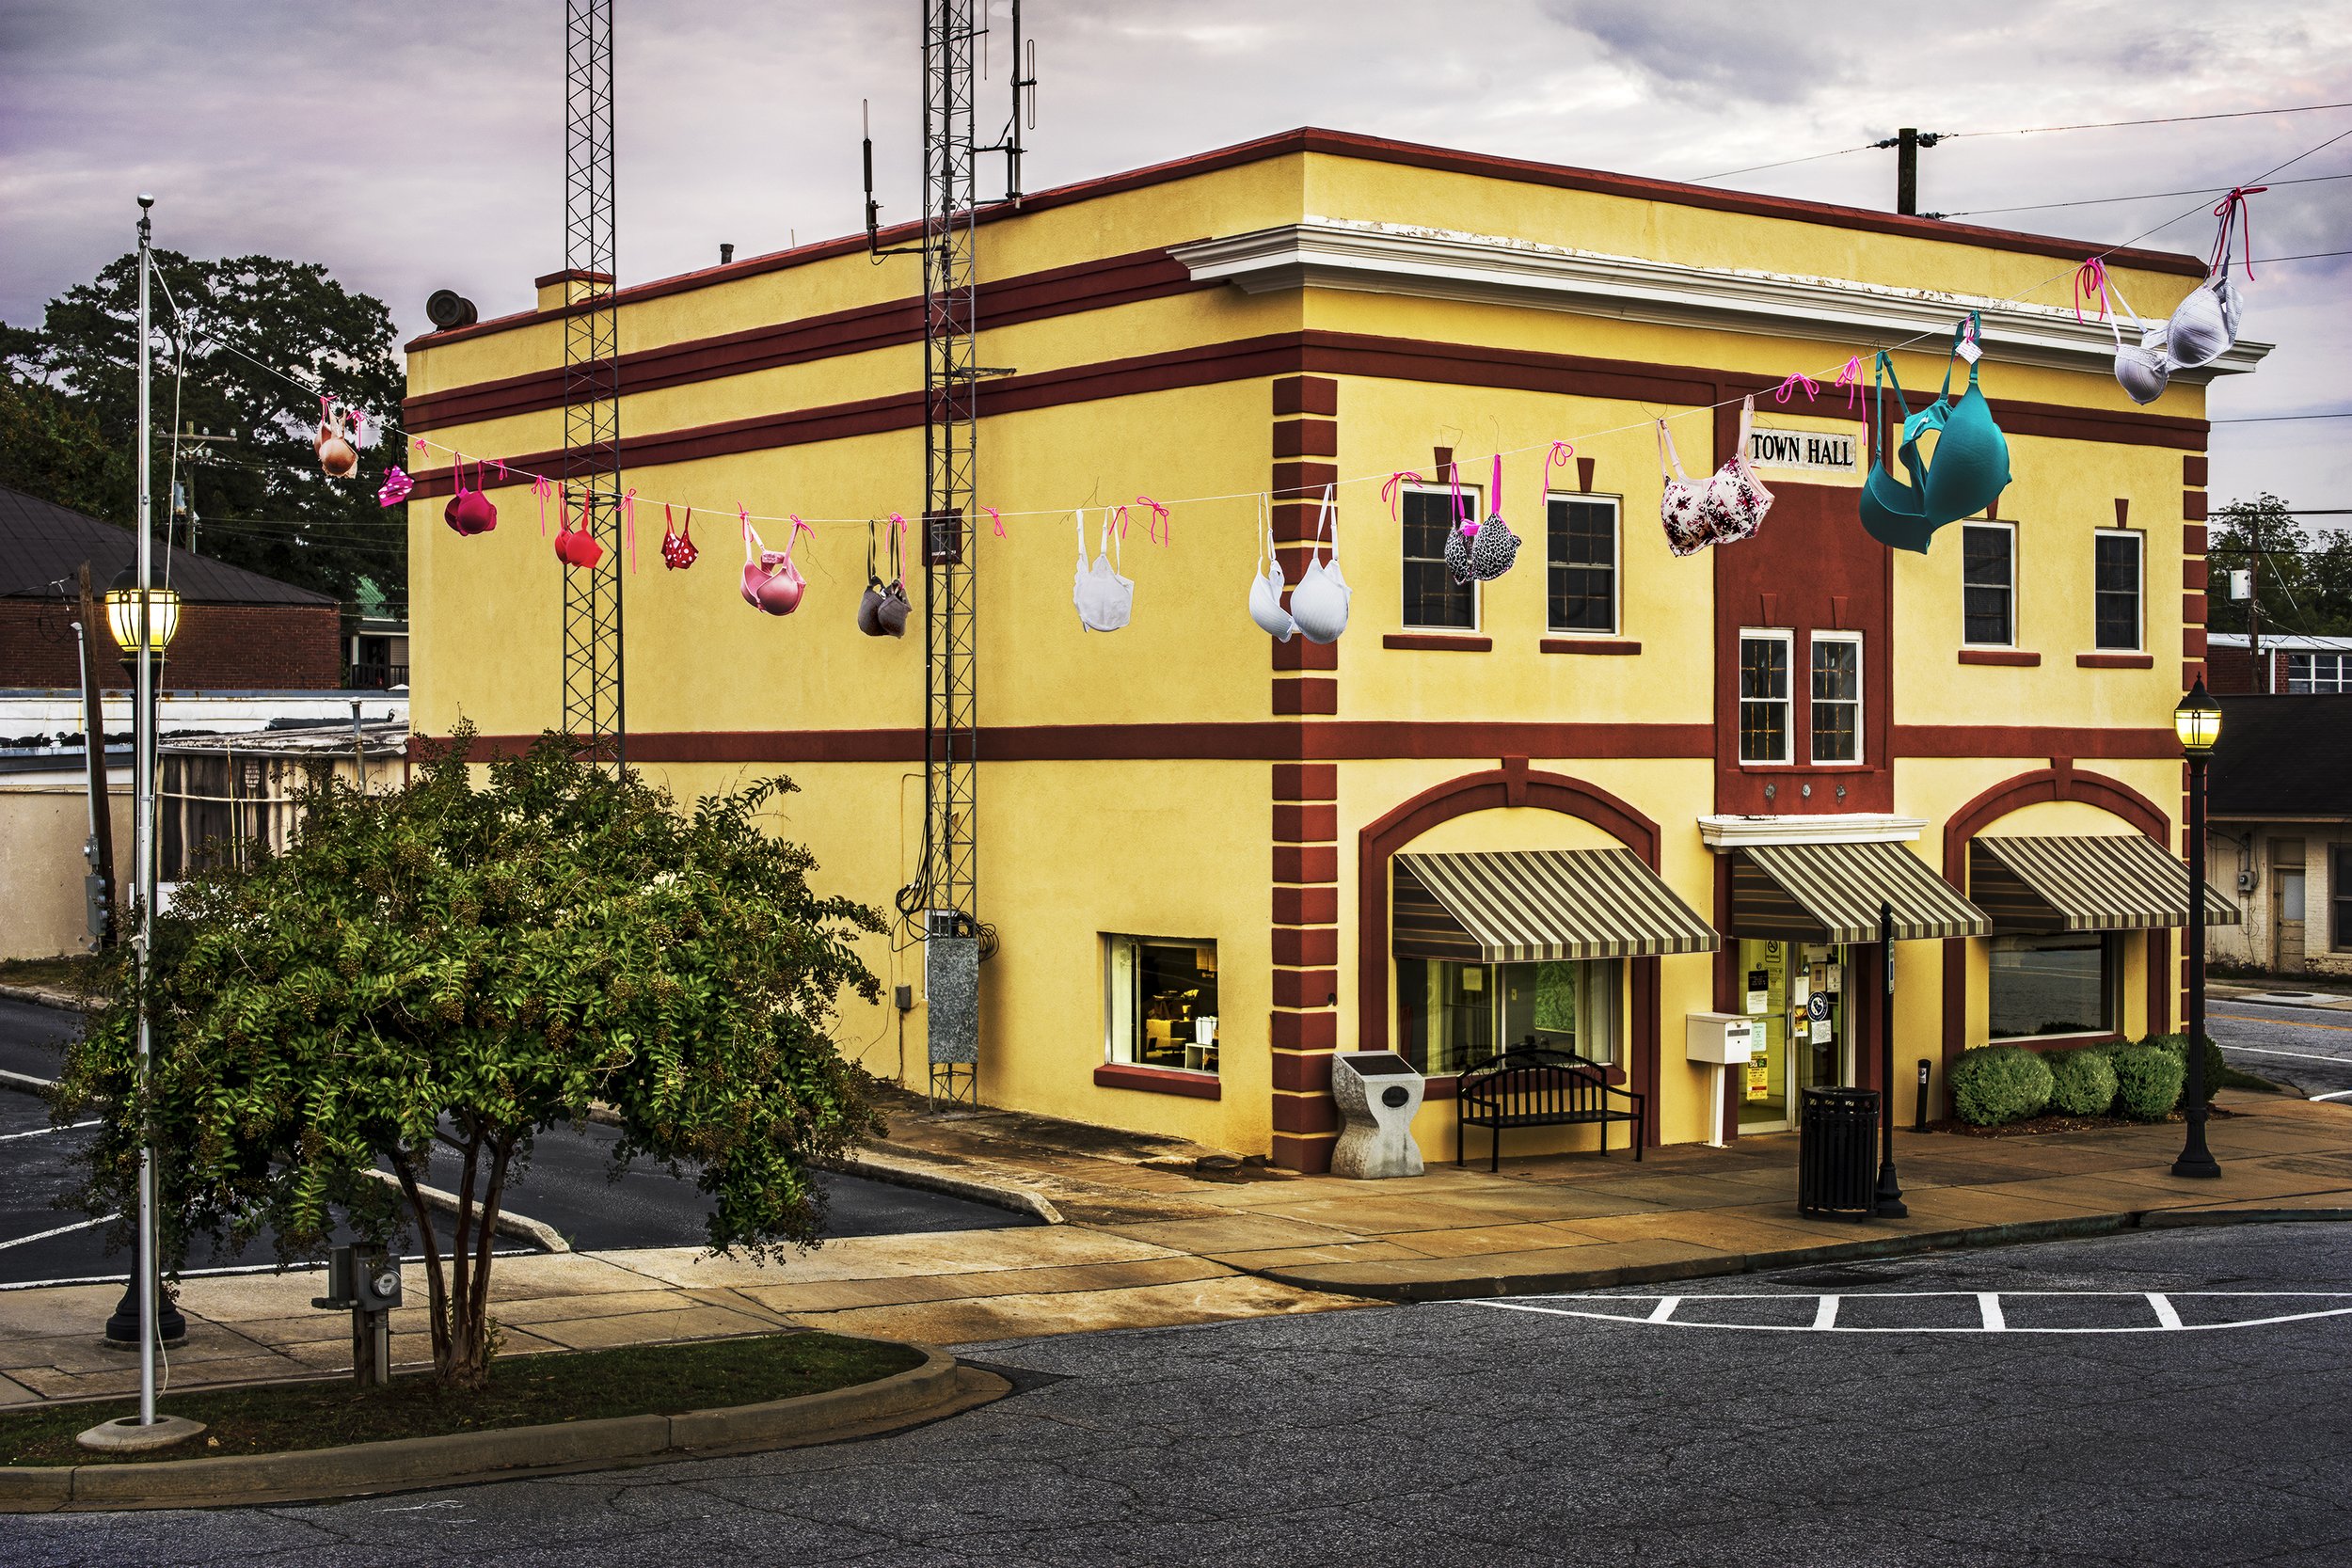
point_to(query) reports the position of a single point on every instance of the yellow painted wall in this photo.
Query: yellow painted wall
(1071, 851)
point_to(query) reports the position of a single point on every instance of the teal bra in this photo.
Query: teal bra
(1966, 474)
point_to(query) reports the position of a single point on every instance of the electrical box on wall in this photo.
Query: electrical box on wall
(2246, 881)
(2242, 584)
(1722, 1038)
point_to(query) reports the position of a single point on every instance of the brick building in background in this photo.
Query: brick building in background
(239, 630)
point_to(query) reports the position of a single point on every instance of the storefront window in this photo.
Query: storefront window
(1161, 1003)
(2058, 984)
(1433, 600)
(1456, 1016)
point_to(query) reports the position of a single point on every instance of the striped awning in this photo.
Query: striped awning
(2105, 882)
(1530, 906)
(1832, 893)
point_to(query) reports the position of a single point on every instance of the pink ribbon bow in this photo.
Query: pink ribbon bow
(1850, 377)
(1163, 531)
(995, 520)
(542, 487)
(396, 488)
(1792, 382)
(1557, 458)
(2233, 205)
(1396, 486)
(2091, 283)
(628, 524)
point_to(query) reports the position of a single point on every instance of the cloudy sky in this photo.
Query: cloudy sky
(419, 146)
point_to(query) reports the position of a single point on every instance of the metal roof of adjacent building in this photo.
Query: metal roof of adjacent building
(44, 545)
(2283, 757)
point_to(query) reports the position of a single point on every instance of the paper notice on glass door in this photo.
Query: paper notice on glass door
(1820, 1031)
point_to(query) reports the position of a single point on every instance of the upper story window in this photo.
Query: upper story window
(1581, 583)
(2116, 588)
(1764, 702)
(1837, 696)
(2319, 671)
(1988, 577)
(1433, 600)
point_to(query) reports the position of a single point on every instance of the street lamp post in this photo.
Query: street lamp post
(2197, 722)
(143, 622)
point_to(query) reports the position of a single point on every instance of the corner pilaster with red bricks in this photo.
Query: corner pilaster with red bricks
(1303, 1027)
(2193, 623)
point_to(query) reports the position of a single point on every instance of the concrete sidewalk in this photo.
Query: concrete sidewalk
(1159, 1232)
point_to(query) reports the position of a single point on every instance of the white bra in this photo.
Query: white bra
(1319, 603)
(2141, 368)
(2204, 325)
(1265, 584)
(1105, 599)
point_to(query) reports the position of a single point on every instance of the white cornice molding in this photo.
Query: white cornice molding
(1436, 264)
(1860, 827)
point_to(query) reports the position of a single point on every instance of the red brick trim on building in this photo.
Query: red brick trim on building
(1438, 642)
(2014, 657)
(2115, 661)
(1588, 646)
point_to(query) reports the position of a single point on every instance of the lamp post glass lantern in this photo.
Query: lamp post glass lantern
(123, 616)
(2197, 722)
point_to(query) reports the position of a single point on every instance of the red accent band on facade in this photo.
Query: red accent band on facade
(1156, 1080)
(1588, 646)
(2019, 741)
(1438, 642)
(2014, 657)
(2115, 661)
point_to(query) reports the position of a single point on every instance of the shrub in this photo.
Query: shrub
(2082, 1083)
(2217, 1070)
(2147, 1082)
(1998, 1084)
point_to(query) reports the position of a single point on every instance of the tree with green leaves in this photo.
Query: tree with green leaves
(2303, 584)
(461, 965)
(236, 341)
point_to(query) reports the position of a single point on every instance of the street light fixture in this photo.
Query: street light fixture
(123, 617)
(2197, 722)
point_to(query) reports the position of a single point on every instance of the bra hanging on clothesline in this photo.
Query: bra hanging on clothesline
(883, 610)
(677, 542)
(1476, 552)
(1729, 506)
(1265, 584)
(1105, 600)
(1319, 603)
(772, 583)
(469, 511)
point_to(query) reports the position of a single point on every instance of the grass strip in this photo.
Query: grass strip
(524, 1391)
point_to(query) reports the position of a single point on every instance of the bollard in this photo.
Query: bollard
(1919, 1120)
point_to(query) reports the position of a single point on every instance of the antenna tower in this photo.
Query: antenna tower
(944, 898)
(591, 386)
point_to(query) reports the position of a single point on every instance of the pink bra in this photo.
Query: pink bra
(576, 547)
(770, 582)
(469, 511)
(1729, 507)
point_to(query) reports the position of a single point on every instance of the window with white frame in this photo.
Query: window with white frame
(2116, 585)
(1764, 701)
(1581, 565)
(1160, 1003)
(1433, 600)
(1837, 696)
(2319, 671)
(1988, 584)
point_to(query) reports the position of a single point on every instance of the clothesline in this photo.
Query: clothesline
(1846, 375)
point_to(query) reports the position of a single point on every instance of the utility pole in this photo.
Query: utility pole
(2254, 604)
(1907, 143)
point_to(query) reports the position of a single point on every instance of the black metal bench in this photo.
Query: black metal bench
(1534, 1086)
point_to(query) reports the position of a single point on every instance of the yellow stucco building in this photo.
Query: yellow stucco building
(1584, 801)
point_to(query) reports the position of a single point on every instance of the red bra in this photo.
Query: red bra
(677, 545)
(576, 547)
(469, 511)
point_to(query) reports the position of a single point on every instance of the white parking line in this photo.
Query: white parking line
(2334, 1094)
(2299, 1055)
(73, 1127)
(61, 1230)
(1993, 1311)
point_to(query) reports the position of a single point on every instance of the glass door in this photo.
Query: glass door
(1763, 994)
(1795, 994)
(1817, 1017)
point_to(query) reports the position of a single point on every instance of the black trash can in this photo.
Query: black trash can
(1837, 1172)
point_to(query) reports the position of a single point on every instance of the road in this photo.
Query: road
(566, 1185)
(2308, 1047)
(1493, 1435)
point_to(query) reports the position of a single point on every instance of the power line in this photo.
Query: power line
(1808, 158)
(2160, 120)
(2267, 419)
(2106, 201)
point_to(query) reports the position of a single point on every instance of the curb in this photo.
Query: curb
(537, 1231)
(45, 996)
(938, 1387)
(901, 1172)
(2019, 1232)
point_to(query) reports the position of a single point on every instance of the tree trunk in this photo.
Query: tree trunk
(458, 1289)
